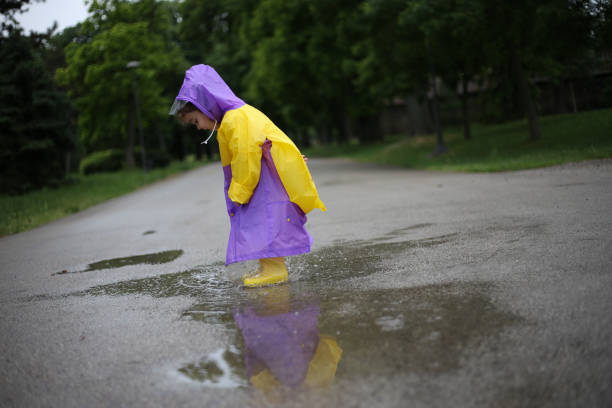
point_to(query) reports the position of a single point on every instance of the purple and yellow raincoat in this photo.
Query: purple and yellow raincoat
(268, 187)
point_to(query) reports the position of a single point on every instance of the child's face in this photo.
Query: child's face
(199, 120)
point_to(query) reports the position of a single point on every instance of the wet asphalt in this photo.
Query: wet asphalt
(423, 289)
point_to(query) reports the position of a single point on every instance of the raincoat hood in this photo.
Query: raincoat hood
(204, 88)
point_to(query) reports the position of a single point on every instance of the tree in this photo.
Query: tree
(209, 33)
(8, 9)
(303, 67)
(454, 30)
(546, 38)
(115, 33)
(279, 78)
(35, 125)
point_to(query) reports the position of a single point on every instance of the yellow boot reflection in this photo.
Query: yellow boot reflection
(284, 350)
(322, 367)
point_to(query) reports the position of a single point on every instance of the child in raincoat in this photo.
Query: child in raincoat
(268, 187)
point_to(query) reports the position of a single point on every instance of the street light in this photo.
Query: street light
(133, 65)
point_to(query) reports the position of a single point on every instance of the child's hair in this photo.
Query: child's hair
(189, 107)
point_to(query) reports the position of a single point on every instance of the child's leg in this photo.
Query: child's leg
(271, 271)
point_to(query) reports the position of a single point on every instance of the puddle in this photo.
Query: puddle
(278, 348)
(422, 329)
(149, 259)
(324, 267)
(314, 331)
(289, 339)
(207, 279)
(569, 184)
(344, 260)
(354, 259)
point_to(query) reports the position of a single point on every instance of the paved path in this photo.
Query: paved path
(440, 290)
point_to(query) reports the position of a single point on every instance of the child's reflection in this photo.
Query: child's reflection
(283, 346)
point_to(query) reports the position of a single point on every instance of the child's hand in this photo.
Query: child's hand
(305, 158)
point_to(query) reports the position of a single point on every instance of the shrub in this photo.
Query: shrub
(104, 160)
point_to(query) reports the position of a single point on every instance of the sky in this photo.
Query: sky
(40, 16)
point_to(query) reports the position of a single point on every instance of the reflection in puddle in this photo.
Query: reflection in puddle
(389, 323)
(148, 259)
(285, 332)
(419, 329)
(283, 350)
(219, 369)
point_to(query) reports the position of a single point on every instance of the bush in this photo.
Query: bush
(104, 160)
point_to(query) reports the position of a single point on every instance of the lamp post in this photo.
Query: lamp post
(441, 148)
(133, 65)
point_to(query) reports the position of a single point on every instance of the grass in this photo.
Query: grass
(24, 212)
(500, 147)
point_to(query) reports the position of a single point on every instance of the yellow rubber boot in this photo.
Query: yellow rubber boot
(271, 271)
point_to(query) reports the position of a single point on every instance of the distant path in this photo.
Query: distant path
(442, 289)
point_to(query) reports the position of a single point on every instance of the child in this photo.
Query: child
(268, 188)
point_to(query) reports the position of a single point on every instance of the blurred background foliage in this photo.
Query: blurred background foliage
(328, 72)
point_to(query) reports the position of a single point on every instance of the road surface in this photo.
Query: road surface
(423, 289)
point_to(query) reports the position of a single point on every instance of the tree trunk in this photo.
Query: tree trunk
(324, 135)
(304, 138)
(525, 96)
(418, 116)
(129, 152)
(342, 131)
(179, 142)
(208, 151)
(198, 149)
(560, 97)
(573, 96)
(160, 138)
(464, 107)
(441, 148)
(143, 156)
(67, 162)
(367, 129)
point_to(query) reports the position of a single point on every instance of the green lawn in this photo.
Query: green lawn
(24, 212)
(500, 147)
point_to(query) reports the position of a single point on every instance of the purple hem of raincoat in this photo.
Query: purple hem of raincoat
(270, 254)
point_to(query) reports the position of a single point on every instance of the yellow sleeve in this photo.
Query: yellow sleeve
(245, 152)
